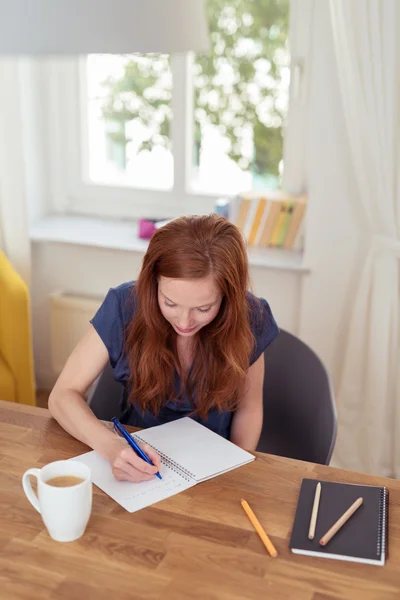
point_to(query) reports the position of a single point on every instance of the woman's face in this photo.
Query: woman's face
(189, 304)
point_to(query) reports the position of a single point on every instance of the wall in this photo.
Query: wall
(92, 271)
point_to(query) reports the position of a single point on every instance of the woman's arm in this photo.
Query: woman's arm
(248, 418)
(68, 406)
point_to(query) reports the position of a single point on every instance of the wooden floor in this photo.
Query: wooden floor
(42, 397)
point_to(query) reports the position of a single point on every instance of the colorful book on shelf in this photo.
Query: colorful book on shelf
(273, 221)
(288, 210)
(269, 224)
(276, 233)
(256, 221)
(243, 212)
(295, 223)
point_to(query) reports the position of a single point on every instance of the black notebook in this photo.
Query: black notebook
(362, 539)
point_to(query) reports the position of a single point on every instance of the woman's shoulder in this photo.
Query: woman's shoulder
(124, 290)
(260, 313)
(262, 323)
(125, 299)
(110, 322)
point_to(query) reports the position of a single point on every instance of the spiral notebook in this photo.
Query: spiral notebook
(190, 453)
(363, 539)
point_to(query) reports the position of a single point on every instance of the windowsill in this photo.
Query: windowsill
(122, 235)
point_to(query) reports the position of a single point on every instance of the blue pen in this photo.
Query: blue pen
(132, 442)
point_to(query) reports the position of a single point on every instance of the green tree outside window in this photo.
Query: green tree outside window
(240, 84)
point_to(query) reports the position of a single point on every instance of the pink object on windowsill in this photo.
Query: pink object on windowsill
(146, 228)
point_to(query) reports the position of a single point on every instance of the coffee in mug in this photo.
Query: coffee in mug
(64, 481)
(64, 497)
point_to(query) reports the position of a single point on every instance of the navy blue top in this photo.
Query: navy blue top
(110, 322)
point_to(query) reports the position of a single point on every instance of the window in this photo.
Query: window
(241, 97)
(161, 135)
(128, 120)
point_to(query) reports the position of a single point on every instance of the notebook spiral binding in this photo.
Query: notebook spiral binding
(381, 540)
(176, 467)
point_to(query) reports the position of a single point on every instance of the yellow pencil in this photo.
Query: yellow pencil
(256, 524)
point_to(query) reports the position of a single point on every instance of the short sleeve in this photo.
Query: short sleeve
(263, 326)
(108, 323)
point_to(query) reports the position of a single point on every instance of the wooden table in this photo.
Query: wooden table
(196, 545)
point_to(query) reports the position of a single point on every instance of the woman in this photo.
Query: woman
(186, 339)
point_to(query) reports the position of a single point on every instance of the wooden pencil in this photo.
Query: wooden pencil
(257, 526)
(340, 522)
(314, 514)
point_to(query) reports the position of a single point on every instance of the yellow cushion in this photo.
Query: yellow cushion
(7, 384)
(15, 336)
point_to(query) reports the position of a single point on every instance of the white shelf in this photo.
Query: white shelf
(88, 231)
(123, 235)
(277, 258)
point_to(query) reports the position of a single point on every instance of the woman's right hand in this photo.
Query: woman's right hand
(128, 466)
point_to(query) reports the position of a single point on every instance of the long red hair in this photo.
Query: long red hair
(192, 248)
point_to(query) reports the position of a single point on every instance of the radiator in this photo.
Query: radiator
(69, 320)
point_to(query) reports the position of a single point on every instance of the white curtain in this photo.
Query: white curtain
(368, 395)
(14, 227)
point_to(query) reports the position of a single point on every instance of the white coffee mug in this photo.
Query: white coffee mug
(65, 510)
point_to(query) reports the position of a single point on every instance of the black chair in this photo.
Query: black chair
(299, 407)
(105, 396)
(300, 418)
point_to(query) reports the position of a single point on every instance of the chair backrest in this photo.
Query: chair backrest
(106, 395)
(300, 418)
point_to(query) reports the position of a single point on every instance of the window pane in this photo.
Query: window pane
(241, 97)
(128, 116)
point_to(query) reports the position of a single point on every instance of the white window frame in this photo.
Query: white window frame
(65, 103)
(71, 194)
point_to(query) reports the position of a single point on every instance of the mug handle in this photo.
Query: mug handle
(26, 484)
